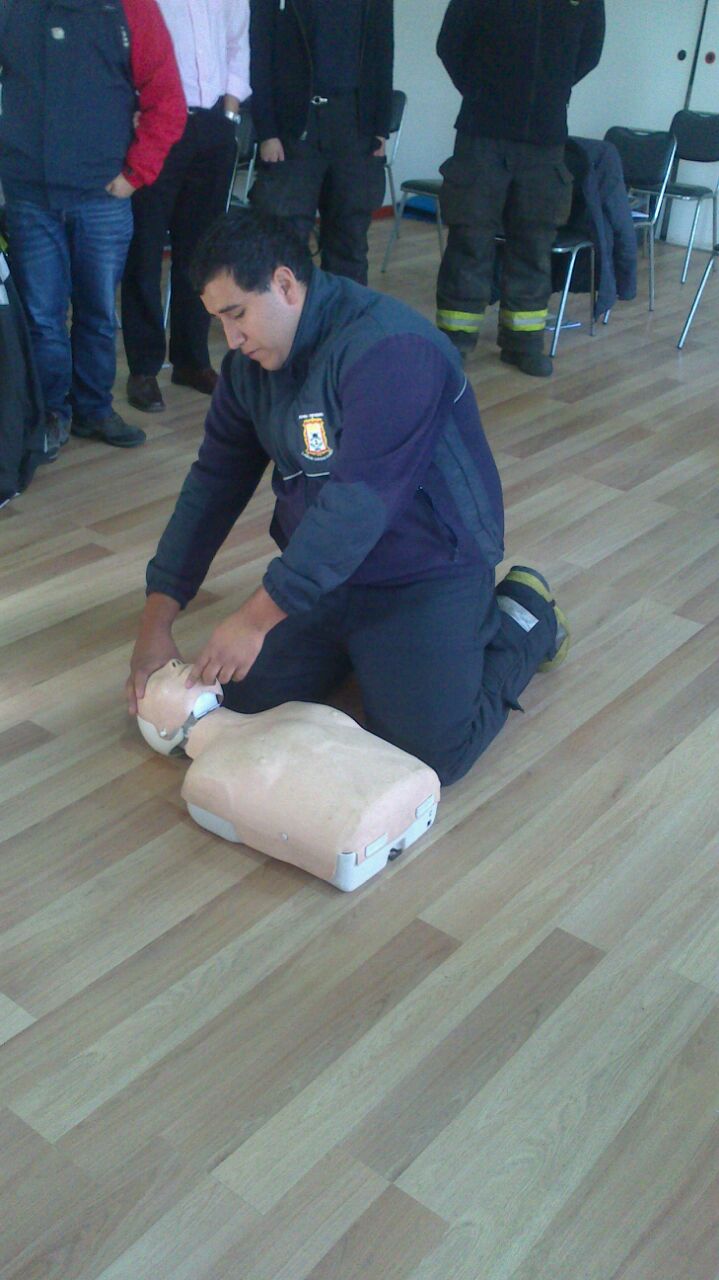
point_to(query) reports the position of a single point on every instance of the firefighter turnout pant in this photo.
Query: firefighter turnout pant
(494, 187)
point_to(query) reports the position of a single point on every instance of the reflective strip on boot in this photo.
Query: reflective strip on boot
(460, 321)
(517, 612)
(523, 321)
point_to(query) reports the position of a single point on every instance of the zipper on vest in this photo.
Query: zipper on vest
(445, 529)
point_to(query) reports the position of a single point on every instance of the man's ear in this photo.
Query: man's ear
(289, 286)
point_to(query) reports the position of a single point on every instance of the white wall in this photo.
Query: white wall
(432, 100)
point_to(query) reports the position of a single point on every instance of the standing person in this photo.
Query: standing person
(388, 515)
(321, 102)
(73, 77)
(211, 43)
(514, 62)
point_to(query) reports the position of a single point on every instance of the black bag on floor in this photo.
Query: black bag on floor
(23, 441)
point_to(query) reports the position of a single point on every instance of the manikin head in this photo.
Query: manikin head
(251, 270)
(168, 710)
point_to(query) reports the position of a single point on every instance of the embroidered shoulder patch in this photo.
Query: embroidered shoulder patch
(314, 435)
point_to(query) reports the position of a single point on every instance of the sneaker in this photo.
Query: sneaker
(535, 363)
(525, 577)
(112, 429)
(57, 433)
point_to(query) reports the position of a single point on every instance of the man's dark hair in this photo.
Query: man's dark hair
(250, 246)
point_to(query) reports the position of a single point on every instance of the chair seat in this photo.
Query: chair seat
(567, 239)
(682, 191)
(422, 186)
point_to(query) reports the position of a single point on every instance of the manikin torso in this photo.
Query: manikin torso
(302, 782)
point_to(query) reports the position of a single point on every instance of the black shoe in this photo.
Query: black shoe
(535, 363)
(204, 380)
(113, 430)
(144, 393)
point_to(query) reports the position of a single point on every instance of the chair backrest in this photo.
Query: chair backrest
(697, 135)
(399, 102)
(646, 155)
(246, 154)
(245, 137)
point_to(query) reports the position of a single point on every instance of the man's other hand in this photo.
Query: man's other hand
(235, 643)
(120, 188)
(271, 150)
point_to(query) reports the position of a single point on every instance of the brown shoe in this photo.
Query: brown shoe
(144, 393)
(204, 380)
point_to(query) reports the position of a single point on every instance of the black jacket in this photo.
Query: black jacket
(23, 444)
(515, 62)
(601, 209)
(281, 70)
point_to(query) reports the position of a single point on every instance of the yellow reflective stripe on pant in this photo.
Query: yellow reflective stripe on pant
(523, 321)
(460, 321)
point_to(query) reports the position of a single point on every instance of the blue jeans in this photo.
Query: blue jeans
(71, 255)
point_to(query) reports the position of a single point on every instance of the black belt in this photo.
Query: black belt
(195, 111)
(321, 99)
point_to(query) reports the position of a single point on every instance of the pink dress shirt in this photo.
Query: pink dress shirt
(212, 47)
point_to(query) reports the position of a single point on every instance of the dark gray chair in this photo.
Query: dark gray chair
(399, 103)
(245, 160)
(697, 135)
(647, 157)
(570, 243)
(429, 187)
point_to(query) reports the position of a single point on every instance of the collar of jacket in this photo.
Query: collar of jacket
(316, 319)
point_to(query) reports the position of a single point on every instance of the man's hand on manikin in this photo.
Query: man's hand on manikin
(154, 646)
(236, 642)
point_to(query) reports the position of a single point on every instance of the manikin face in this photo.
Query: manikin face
(260, 325)
(168, 703)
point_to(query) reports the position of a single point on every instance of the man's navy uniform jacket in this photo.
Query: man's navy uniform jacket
(382, 472)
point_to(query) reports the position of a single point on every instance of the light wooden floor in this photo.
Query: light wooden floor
(499, 1061)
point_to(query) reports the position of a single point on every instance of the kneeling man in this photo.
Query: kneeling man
(388, 512)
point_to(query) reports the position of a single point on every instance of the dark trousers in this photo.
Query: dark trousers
(438, 664)
(331, 168)
(189, 194)
(491, 188)
(75, 254)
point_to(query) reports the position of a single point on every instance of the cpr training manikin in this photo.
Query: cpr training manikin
(301, 782)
